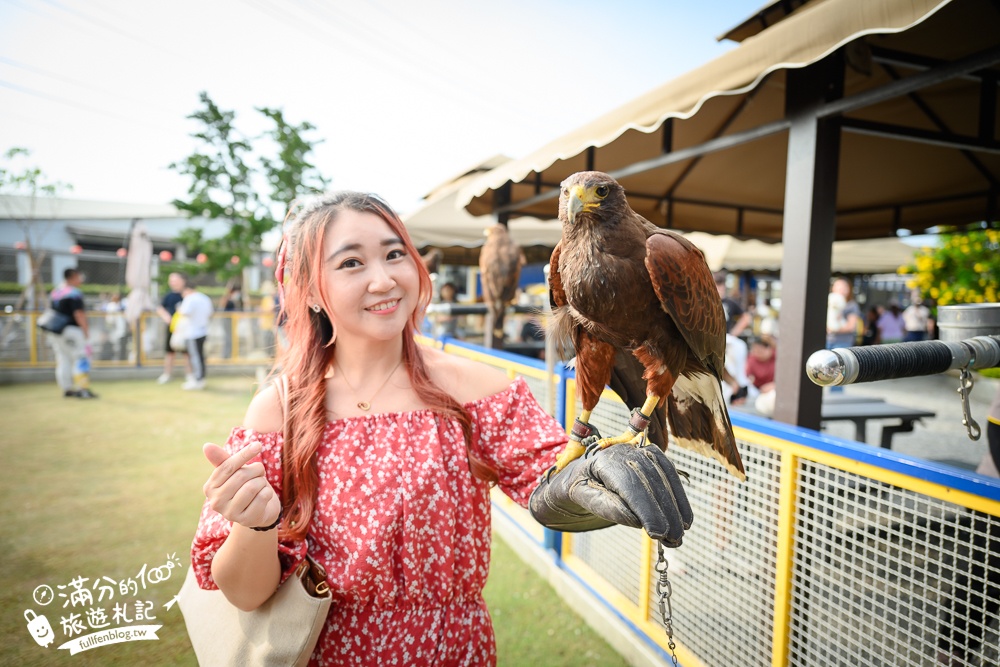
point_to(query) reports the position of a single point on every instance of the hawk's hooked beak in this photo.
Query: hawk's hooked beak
(578, 201)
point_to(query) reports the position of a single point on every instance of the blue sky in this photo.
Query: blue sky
(404, 94)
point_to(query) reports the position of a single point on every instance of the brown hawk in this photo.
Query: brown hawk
(618, 282)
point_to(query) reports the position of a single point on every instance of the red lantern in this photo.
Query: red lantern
(20, 245)
(121, 252)
(75, 249)
(202, 258)
(268, 262)
(166, 255)
(235, 259)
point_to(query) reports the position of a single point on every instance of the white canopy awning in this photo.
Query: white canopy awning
(863, 256)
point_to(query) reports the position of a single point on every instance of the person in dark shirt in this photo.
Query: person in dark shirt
(532, 332)
(737, 319)
(870, 336)
(166, 310)
(70, 345)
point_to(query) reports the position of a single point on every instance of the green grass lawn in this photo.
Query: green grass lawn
(102, 488)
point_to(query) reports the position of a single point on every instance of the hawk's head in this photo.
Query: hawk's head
(590, 195)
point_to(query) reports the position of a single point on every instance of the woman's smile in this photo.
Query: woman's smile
(384, 307)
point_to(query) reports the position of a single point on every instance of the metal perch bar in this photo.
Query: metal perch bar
(851, 365)
(477, 309)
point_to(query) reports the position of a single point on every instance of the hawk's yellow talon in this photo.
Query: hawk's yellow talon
(573, 451)
(629, 437)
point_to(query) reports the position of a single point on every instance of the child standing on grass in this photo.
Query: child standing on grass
(380, 465)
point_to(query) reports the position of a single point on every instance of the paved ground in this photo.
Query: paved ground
(942, 438)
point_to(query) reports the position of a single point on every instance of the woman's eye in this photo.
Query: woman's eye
(396, 254)
(350, 264)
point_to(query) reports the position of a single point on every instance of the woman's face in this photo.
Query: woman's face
(372, 283)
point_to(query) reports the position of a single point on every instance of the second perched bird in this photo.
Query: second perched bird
(617, 281)
(500, 262)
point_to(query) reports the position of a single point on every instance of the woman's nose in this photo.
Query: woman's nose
(381, 279)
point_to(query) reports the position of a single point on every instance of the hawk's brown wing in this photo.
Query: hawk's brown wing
(686, 290)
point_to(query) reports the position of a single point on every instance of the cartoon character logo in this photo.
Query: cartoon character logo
(39, 628)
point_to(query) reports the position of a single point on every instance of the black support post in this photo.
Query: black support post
(808, 235)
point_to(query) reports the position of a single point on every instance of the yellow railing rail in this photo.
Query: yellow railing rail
(234, 338)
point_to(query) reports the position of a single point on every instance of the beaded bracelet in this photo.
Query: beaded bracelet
(272, 526)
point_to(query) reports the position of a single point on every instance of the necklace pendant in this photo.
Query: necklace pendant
(364, 405)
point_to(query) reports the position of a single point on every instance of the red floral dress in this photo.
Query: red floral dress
(403, 528)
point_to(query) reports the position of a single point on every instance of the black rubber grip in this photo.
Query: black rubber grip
(901, 360)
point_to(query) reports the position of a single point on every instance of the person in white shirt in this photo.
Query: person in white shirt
(197, 310)
(736, 387)
(917, 319)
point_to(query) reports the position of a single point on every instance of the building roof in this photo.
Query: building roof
(13, 207)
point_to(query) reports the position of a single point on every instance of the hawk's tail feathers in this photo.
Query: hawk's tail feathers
(699, 421)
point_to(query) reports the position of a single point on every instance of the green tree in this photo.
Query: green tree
(248, 182)
(23, 185)
(963, 268)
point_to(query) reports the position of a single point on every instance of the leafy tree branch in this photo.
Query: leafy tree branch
(247, 182)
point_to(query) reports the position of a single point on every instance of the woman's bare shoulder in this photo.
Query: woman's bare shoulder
(265, 414)
(463, 378)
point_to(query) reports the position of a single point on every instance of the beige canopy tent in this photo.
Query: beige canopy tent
(441, 223)
(737, 103)
(832, 120)
(864, 256)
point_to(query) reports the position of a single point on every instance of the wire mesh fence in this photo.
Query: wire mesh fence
(883, 571)
(919, 575)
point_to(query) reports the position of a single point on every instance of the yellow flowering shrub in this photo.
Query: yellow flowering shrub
(964, 268)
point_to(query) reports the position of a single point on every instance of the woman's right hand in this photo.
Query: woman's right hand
(238, 489)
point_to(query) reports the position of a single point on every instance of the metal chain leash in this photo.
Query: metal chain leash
(663, 591)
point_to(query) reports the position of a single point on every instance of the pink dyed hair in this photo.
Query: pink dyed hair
(312, 341)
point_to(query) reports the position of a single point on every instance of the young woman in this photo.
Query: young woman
(380, 465)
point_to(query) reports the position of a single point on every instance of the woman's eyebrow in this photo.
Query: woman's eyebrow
(352, 247)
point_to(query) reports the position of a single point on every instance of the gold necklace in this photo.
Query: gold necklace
(366, 405)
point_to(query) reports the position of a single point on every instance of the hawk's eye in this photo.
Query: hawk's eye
(602, 191)
(565, 192)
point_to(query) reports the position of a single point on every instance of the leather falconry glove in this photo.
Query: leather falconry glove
(631, 486)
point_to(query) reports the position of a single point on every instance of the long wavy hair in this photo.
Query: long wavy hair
(312, 345)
